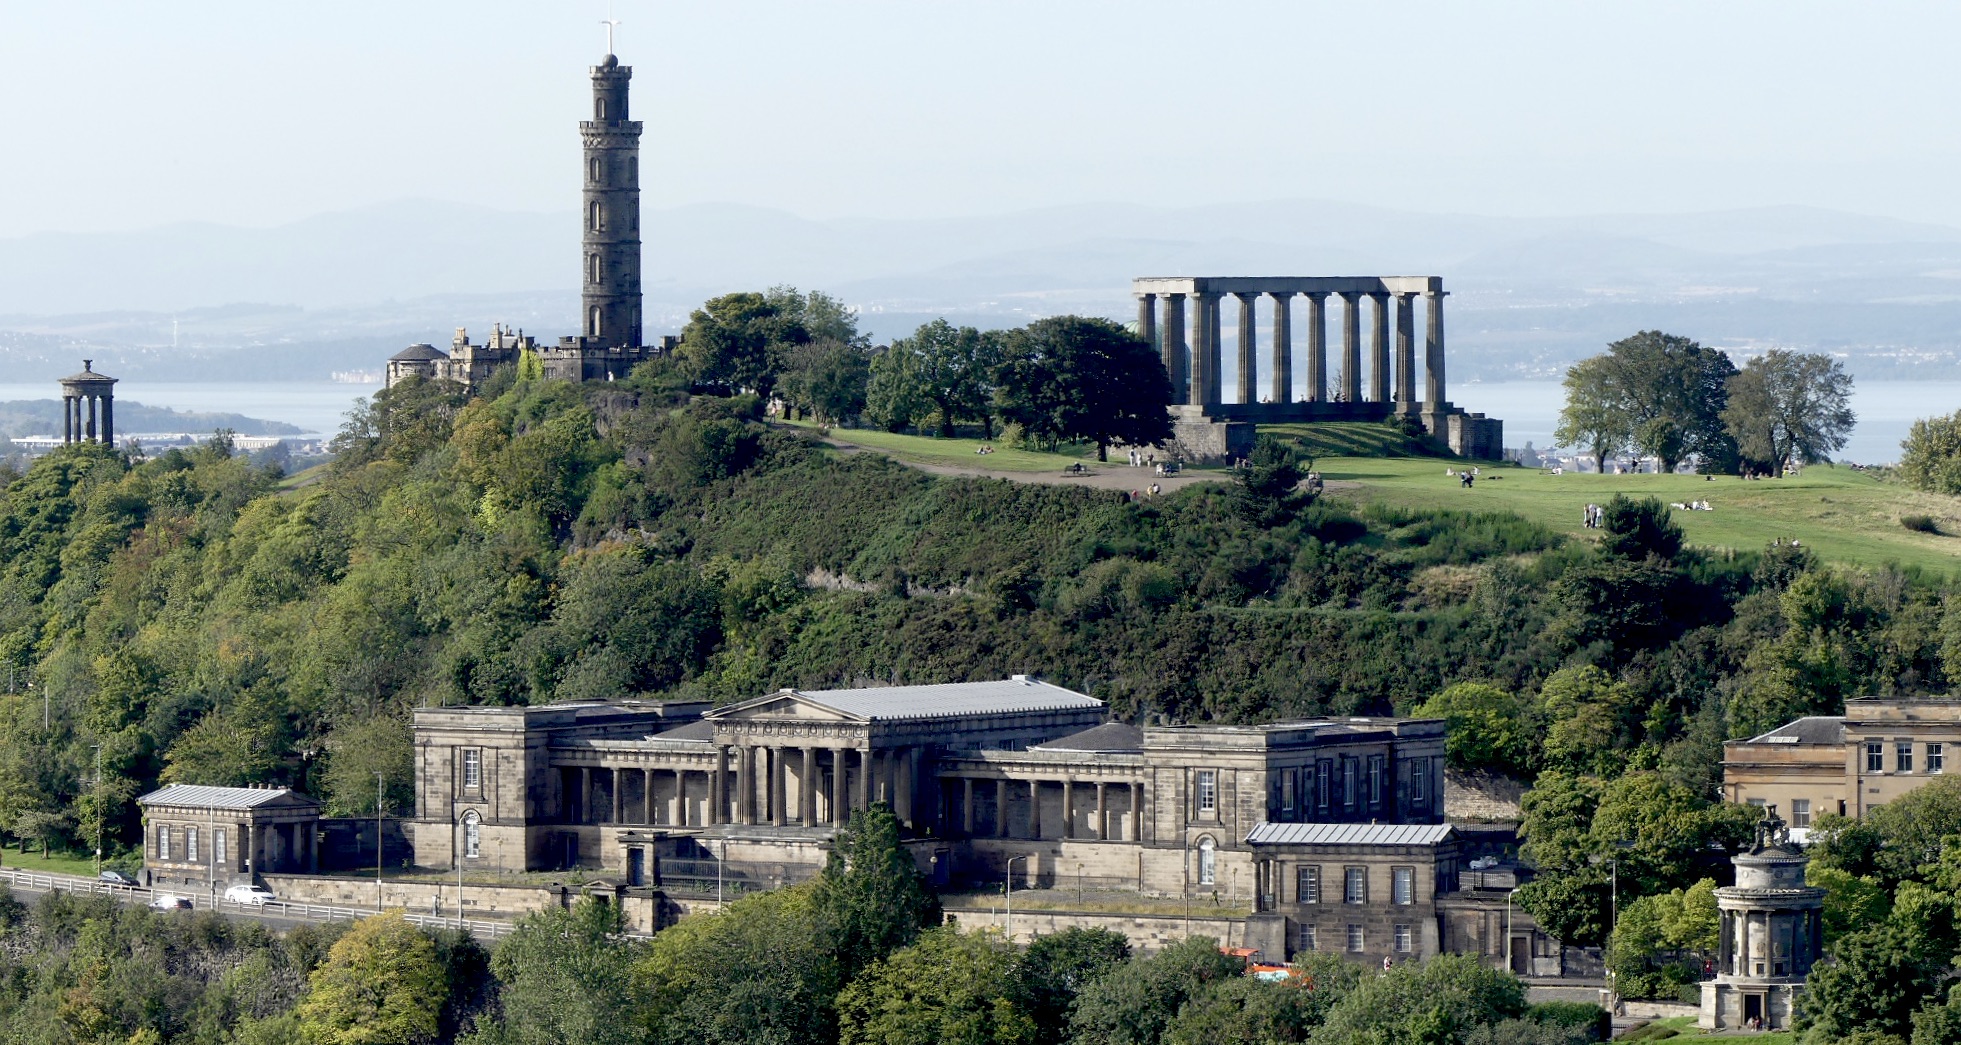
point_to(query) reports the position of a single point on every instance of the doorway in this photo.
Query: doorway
(636, 866)
(1521, 955)
(1753, 1010)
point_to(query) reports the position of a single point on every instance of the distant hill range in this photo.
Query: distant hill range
(22, 417)
(344, 290)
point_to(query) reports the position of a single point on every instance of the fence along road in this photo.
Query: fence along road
(271, 911)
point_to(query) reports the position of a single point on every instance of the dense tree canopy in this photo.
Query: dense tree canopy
(1789, 408)
(1930, 457)
(1069, 378)
(1660, 394)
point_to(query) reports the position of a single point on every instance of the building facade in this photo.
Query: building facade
(985, 777)
(1880, 749)
(1772, 933)
(208, 837)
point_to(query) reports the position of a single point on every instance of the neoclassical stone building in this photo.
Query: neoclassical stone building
(209, 837)
(980, 774)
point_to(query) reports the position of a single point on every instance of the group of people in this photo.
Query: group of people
(985, 450)
(1691, 506)
(1467, 477)
(1137, 495)
(1591, 518)
(1140, 459)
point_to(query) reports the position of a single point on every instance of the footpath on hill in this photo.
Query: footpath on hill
(1102, 475)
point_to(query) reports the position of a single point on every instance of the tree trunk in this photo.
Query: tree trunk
(1102, 450)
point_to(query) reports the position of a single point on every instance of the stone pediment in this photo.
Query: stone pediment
(782, 706)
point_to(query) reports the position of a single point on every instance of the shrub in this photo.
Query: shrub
(1921, 524)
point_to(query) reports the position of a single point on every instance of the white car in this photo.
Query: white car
(169, 902)
(254, 895)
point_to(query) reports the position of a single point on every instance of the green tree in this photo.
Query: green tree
(1489, 728)
(1874, 981)
(356, 751)
(1590, 719)
(565, 976)
(1789, 407)
(1673, 394)
(380, 985)
(871, 898)
(1638, 529)
(1595, 417)
(1071, 377)
(1266, 483)
(745, 341)
(758, 970)
(952, 369)
(1054, 970)
(1246, 1011)
(1930, 458)
(827, 380)
(1852, 902)
(947, 986)
(1438, 1000)
(1134, 1004)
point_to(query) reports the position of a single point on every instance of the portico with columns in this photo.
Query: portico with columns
(1363, 385)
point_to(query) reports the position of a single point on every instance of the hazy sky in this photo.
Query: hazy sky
(123, 114)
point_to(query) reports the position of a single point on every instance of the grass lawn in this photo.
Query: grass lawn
(958, 453)
(1843, 515)
(59, 863)
(1353, 439)
(1690, 1033)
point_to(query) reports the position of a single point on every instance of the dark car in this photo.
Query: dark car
(116, 878)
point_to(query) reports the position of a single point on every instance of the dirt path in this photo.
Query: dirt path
(1101, 476)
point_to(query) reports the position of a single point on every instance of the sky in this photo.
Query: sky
(119, 114)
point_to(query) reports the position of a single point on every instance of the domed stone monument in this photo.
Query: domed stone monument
(1772, 932)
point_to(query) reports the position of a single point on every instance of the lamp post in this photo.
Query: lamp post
(1508, 929)
(380, 798)
(100, 817)
(462, 834)
(1011, 892)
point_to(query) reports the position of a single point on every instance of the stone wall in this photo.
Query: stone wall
(643, 907)
(1147, 933)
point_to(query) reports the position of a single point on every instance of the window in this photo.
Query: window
(1208, 791)
(1355, 889)
(190, 844)
(1757, 803)
(1419, 781)
(1348, 782)
(633, 170)
(599, 108)
(592, 168)
(1875, 756)
(592, 322)
(1307, 884)
(596, 217)
(472, 835)
(1287, 793)
(1355, 940)
(1403, 887)
(1800, 812)
(1321, 775)
(1936, 759)
(592, 268)
(1304, 939)
(218, 848)
(163, 842)
(1402, 939)
(1208, 863)
(1903, 756)
(473, 768)
(1375, 780)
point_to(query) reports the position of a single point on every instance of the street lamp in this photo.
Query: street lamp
(1010, 891)
(1509, 965)
(380, 799)
(99, 815)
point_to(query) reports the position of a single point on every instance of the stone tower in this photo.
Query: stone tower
(1772, 933)
(610, 316)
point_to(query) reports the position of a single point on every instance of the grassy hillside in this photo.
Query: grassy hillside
(1843, 515)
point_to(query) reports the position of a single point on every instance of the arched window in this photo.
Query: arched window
(592, 173)
(1208, 863)
(599, 108)
(633, 170)
(592, 323)
(592, 268)
(597, 219)
(472, 835)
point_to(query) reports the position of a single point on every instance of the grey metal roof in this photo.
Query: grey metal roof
(1812, 731)
(220, 797)
(417, 352)
(1347, 834)
(1005, 696)
(701, 732)
(1110, 736)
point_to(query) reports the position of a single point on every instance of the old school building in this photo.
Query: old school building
(1880, 749)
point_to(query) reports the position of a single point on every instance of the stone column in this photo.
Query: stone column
(807, 790)
(585, 795)
(1147, 318)
(1177, 356)
(718, 788)
(619, 796)
(777, 787)
(67, 419)
(838, 812)
(1351, 347)
(1317, 346)
(1405, 353)
(1379, 351)
(1433, 353)
(1068, 809)
(1281, 380)
(1200, 384)
(1035, 809)
(1102, 812)
(109, 420)
(865, 778)
(1137, 812)
(967, 806)
(1249, 349)
(681, 816)
(647, 797)
(904, 784)
(1215, 374)
(745, 784)
(1001, 810)
(90, 406)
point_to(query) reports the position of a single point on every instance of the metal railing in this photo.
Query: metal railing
(731, 877)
